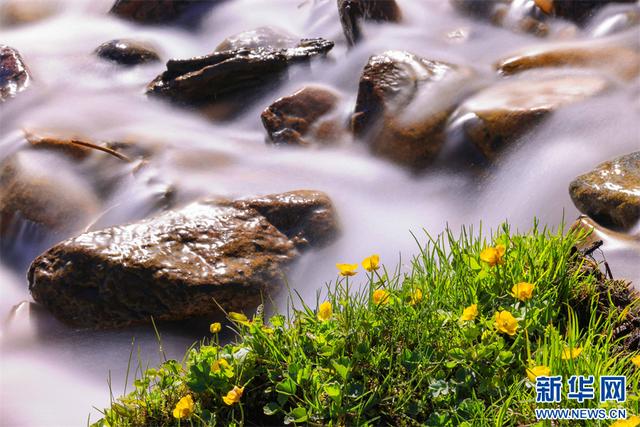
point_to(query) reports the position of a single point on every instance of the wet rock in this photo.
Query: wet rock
(615, 22)
(306, 217)
(610, 193)
(127, 52)
(520, 16)
(14, 75)
(303, 117)
(40, 198)
(157, 12)
(403, 104)
(172, 266)
(271, 37)
(621, 61)
(353, 11)
(576, 10)
(232, 75)
(495, 117)
(20, 12)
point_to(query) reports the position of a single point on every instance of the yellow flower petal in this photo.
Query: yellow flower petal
(214, 328)
(325, 311)
(571, 352)
(371, 263)
(493, 255)
(636, 360)
(469, 313)
(237, 317)
(218, 365)
(416, 297)
(347, 269)
(184, 407)
(633, 421)
(537, 371)
(506, 323)
(380, 296)
(522, 291)
(233, 396)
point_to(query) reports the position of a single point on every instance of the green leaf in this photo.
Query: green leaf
(333, 390)
(286, 386)
(297, 415)
(271, 408)
(342, 370)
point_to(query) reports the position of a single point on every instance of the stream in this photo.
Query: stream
(52, 375)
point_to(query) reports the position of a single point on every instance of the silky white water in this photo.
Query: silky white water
(51, 375)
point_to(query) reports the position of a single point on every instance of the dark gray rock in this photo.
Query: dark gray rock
(14, 75)
(127, 52)
(353, 11)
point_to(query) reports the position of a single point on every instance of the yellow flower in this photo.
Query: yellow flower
(416, 297)
(267, 330)
(506, 323)
(325, 311)
(633, 421)
(214, 328)
(523, 291)
(184, 407)
(347, 269)
(218, 365)
(380, 296)
(571, 352)
(538, 371)
(470, 312)
(636, 360)
(233, 396)
(239, 318)
(371, 263)
(493, 256)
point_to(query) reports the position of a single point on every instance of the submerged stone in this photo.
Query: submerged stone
(403, 104)
(272, 37)
(14, 75)
(155, 12)
(618, 60)
(610, 193)
(496, 117)
(306, 116)
(175, 265)
(127, 52)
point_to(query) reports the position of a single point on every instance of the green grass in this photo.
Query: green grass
(407, 362)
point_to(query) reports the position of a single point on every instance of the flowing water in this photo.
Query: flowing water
(52, 375)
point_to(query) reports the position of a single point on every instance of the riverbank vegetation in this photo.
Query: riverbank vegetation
(456, 341)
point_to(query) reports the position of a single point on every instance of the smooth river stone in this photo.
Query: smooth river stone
(353, 11)
(403, 104)
(175, 265)
(495, 117)
(127, 52)
(14, 75)
(610, 193)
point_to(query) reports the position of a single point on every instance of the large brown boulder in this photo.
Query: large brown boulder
(14, 75)
(306, 116)
(353, 11)
(494, 118)
(231, 74)
(403, 104)
(175, 265)
(610, 193)
(618, 60)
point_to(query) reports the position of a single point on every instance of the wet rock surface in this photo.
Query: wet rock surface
(352, 12)
(127, 52)
(173, 266)
(496, 117)
(610, 193)
(403, 104)
(577, 10)
(157, 12)
(306, 116)
(14, 75)
(272, 37)
(221, 75)
(616, 21)
(615, 59)
(518, 16)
